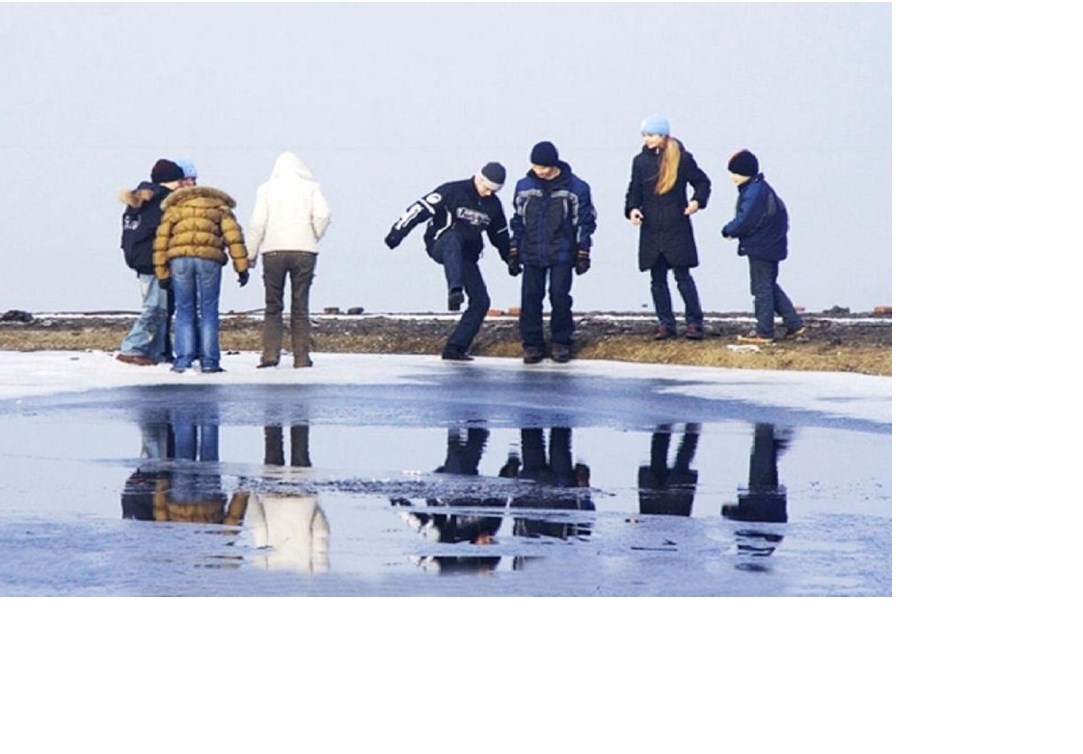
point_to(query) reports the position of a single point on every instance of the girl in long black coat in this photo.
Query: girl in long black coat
(657, 201)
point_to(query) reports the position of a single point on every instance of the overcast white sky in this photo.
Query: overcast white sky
(385, 101)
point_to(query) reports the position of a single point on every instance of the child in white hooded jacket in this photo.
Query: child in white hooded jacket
(289, 219)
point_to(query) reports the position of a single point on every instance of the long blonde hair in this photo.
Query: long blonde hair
(667, 168)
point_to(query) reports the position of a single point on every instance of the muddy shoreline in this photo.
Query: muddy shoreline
(836, 341)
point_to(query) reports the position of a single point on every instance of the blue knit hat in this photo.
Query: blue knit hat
(655, 124)
(188, 167)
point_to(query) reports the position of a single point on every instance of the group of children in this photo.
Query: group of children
(550, 234)
(177, 236)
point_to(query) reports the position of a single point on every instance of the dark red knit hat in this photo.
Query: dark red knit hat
(165, 171)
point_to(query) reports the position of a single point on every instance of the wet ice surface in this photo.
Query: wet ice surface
(471, 481)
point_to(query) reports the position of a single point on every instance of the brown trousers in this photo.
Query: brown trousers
(300, 267)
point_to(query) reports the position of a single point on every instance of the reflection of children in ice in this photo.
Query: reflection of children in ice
(463, 459)
(189, 489)
(664, 490)
(560, 484)
(764, 500)
(288, 524)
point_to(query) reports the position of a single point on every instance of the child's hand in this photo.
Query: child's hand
(692, 208)
(636, 217)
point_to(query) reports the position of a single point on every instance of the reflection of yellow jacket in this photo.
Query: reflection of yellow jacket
(210, 511)
(198, 221)
(294, 529)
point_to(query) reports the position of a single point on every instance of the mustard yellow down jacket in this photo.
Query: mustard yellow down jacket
(198, 221)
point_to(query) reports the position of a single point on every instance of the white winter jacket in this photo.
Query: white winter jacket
(290, 530)
(291, 213)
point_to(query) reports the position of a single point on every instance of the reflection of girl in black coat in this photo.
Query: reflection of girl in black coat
(657, 202)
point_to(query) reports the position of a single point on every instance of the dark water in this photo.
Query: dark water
(380, 490)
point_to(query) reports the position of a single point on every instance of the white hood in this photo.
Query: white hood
(289, 165)
(291, 213)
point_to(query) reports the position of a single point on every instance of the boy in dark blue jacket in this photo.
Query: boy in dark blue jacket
(458, 212)
(760, 227)
(146, 343)
(551, 228)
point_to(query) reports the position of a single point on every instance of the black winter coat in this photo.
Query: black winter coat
(456, 206)
(666, 230)
(142, 215)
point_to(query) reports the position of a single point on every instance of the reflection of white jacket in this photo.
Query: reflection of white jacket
(291, 213)
(293, 527)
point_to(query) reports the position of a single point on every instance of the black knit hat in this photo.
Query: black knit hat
(166, 171)
(494, 174)
(544, 154)
(744, 163)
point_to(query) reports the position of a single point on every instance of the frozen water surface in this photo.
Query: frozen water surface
(483, 479)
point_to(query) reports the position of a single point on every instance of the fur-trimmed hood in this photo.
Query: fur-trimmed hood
(141, 194)
(215, 196)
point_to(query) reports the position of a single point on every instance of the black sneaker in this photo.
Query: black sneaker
(454, 354)
(212, 370)
(694, 332)
(455, 299)
(533, 355)
(561, 354)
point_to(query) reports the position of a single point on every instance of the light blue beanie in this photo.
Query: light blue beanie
(188, 167)
(652, 124)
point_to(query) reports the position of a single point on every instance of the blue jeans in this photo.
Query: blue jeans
(147, 337)
(561, 324)
(196, 286)
(769, 298)
(663, 304)
(195, 438)
(461, 271)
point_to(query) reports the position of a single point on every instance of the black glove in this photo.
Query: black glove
(165, 283)
(242, 278)
(514, 266)
(582, 261)
(392, 240)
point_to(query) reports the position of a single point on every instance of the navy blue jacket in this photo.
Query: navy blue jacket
(456, 206)
(142, 215)
(553, 219)
(666, 230)
(761, 223)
